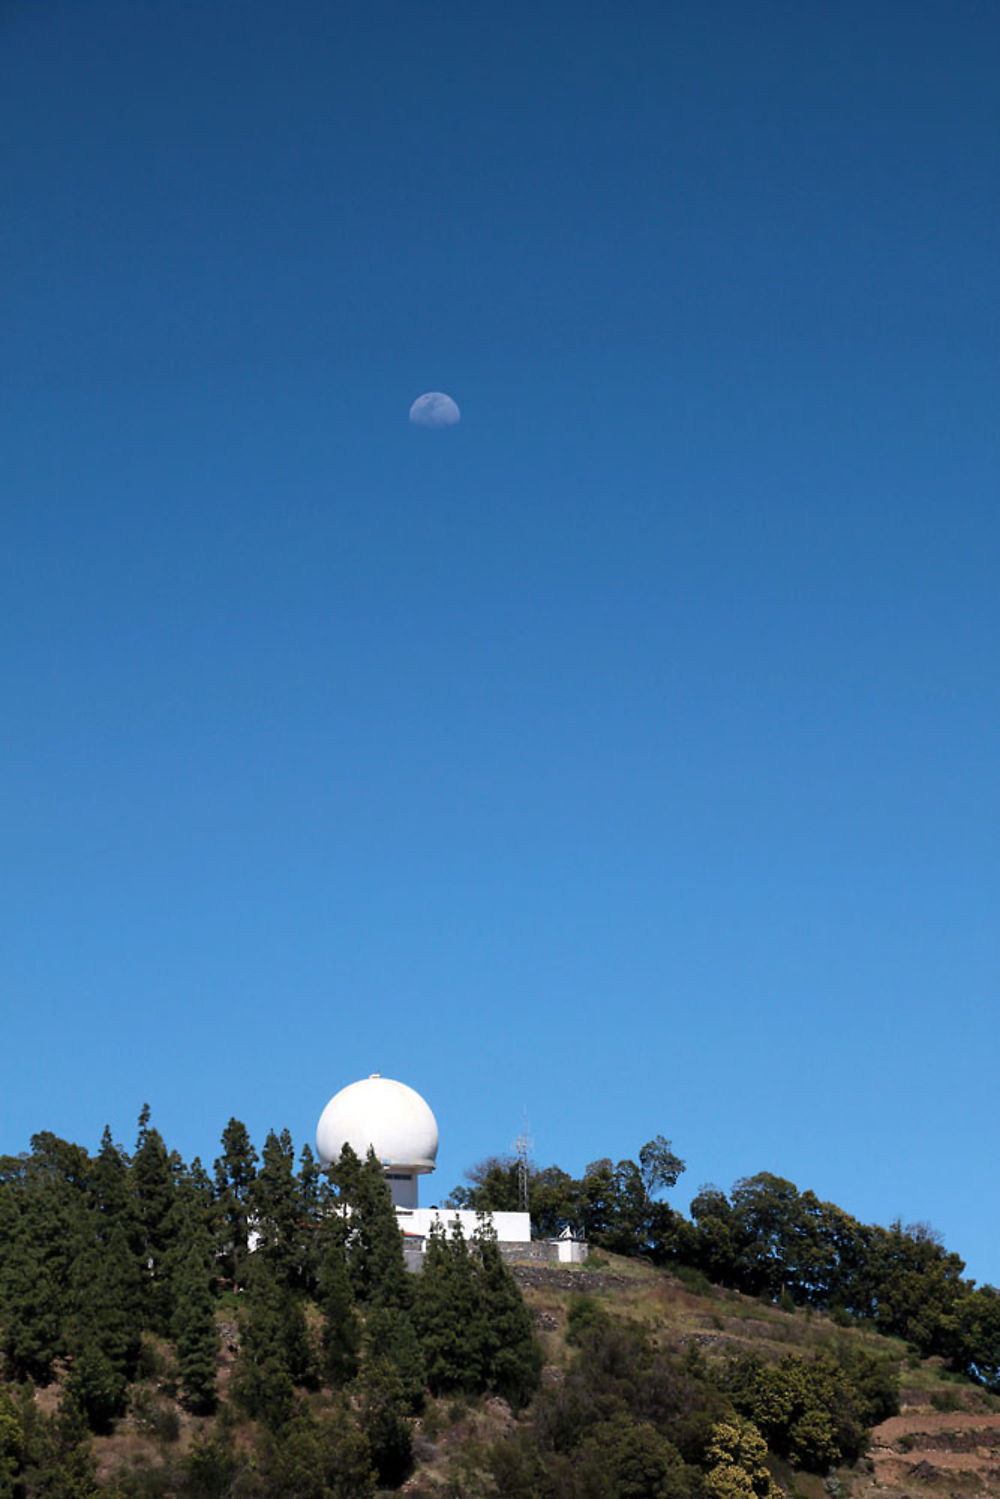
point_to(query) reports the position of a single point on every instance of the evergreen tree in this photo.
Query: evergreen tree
(276, 1351)
(341, 1328)
(235, 1170)
(375, 1241)
(325, 1457)
(110, 1193)
(390, 1338)
(276, 1210)
(312, 1191)
(291, 1461)
(448, 1315)
(152, 1180)
(262, 1384)
(105, 1313)
(310, 1177)
(106, 1284)
(347, 1456)
(344, 1175)
(195, 1332)
(11, 1444)
(31, 1284)
(44, 1230)
(95, 1388)
(59, 1457)
(195, 1197)
(384, 1423)
(511, 1359)
(212, 1468)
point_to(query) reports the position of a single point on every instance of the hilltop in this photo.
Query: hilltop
(255, 1335)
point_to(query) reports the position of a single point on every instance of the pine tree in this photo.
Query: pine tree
(95, 1387)
(212, 1468)
(384, 1423)
(375, 1242)
(341, 1328)
(235, 1170)
(106, 1303)
(344, 1174)
(107, 1282)
(59, 1460)
(31, 1287)
(195, 1332)
(310, 1176)
(347, 1456)
(11, 1444)
(262, 1384)
(276, 1351)
(152, 1181)
(311, 1193)
(199, 1190)
(447, 1315)
(275, 1210)
(316, 1458)
(44, 1229)
(511, 1359)
(391, 1338)
(110, 1193)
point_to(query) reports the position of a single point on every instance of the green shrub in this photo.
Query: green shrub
(693, 1280)
(584, 1315)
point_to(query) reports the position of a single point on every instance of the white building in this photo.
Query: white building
(394, 1121)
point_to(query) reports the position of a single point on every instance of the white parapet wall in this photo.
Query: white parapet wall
(510, 1228)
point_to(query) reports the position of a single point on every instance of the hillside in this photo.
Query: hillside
(944, 1442)
(256, 1335)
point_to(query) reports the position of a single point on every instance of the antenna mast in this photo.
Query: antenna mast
(523, 1146)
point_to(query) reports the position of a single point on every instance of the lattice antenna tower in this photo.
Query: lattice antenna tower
(523, 1145)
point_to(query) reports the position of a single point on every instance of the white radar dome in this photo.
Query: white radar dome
(382, 1115)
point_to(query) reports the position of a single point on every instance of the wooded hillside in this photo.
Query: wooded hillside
(253, 1332)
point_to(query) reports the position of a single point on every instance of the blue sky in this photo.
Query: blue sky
(626, 753)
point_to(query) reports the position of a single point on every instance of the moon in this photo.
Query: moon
(434, 409)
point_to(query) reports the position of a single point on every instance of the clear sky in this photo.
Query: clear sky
(626, 752)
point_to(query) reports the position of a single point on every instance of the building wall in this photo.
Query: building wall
(535, 1252)
(509, 1227)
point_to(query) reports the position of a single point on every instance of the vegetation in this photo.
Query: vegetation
(766, 1238)
(115, 1265)
(254, 1332)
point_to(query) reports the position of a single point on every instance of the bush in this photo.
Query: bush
(585, 1314)
(693, 1280)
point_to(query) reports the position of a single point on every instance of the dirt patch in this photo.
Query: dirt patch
(929, 1423)
(931, 1451)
